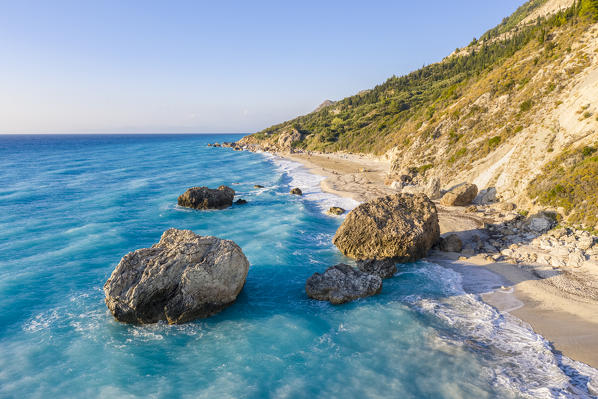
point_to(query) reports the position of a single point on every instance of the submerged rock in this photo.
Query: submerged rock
(182, 277)
(258, 186)
(342, 283)
(383, 268)
(240, 201)
(335, 210)
(460, 195)
(296, 191)
(207, 198)
(400, 226)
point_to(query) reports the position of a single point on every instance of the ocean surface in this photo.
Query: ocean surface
(72, 206)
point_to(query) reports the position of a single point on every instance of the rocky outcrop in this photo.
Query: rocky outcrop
(296, 191)
(383, 268)
(400, 226)
(450, 243)
(207, 198)
(342, 283)
(182, 277)
(335, 210)
(288, 137)
(460, 195)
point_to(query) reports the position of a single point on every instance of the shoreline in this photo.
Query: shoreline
(568, 322)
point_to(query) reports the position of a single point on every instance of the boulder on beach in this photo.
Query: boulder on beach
(296, 191)
(383, 268)
(335, 210)
(183, 277)
(342, 283)
(207, 198)
(400, 226)
(486, 196)
(451, 243)
(461, 195)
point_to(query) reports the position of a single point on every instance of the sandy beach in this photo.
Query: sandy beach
(560, 306)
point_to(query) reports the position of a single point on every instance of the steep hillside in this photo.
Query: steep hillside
(496, 112)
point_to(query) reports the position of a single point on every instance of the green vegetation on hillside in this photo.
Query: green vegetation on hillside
(410, 109)
(571, 182)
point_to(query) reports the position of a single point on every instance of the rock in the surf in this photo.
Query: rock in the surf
(342, 283)
(207, 198)
(240, 201)
(296, 191)
(335, 210)
(183, 277)
(399, 226)
(383, 268)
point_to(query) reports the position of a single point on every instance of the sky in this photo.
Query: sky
(212, 67)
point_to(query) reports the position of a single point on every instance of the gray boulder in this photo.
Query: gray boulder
(383, 268)
(451, 243)
(460, 195)
(400, 226)
(540, 222)
(486, 196)
(207, 198)
(182, 277)
(342, 283)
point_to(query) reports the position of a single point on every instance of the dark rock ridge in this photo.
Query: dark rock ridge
(383, 268)
(207, 198)
(400, 226)
(460, 195)
(183, 277)
(342, 283)
(296, 191)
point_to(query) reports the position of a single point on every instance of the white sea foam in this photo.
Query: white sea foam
(309, 184)
(528, 365)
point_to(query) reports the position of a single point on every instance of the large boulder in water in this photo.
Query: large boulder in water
(342, 283)
(207, 198)
(182, 277)
(460, 195)
(399, 226)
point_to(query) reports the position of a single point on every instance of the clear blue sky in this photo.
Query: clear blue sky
(218, 66)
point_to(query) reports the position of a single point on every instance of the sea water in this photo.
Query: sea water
(72, 206)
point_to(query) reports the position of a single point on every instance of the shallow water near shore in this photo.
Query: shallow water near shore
(72, 206)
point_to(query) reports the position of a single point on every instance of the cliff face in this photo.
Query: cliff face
(498, 112)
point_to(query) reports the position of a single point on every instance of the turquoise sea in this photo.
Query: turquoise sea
(72, 206)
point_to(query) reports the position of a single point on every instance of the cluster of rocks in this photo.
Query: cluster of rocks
(517, 238)
(378, 234)
(228, 144)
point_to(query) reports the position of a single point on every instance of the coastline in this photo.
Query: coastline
(568, 321)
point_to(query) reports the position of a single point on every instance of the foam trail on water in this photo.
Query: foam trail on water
(309, 183)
